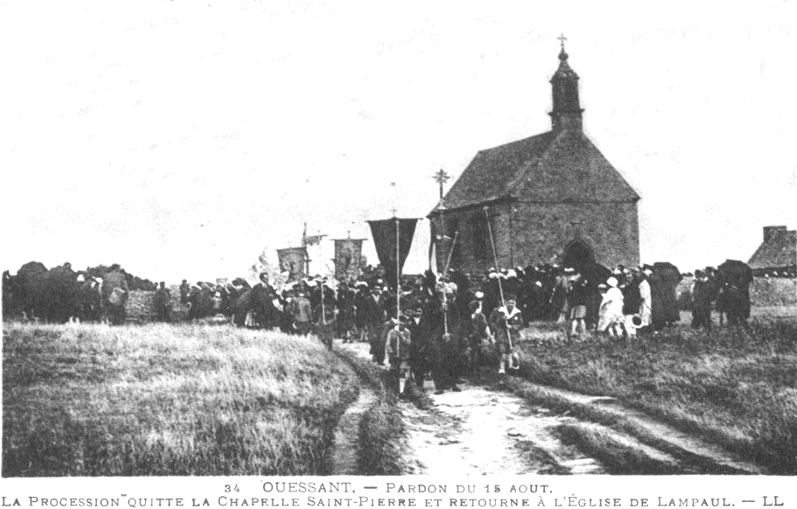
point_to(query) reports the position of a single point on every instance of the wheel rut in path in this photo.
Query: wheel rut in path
(345, 448)
(694, 455)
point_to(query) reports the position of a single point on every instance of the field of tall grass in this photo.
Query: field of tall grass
(168, 400)
(734, 387)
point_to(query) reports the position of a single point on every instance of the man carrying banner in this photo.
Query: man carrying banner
(392, 239)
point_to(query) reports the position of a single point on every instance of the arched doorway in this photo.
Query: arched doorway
(578, 255)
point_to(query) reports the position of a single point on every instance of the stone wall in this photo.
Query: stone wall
(140, 306)
(541, 231)
(528, 233)
(778, 291)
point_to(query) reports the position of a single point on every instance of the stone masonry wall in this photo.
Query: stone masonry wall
(542, 230)
(527, 233)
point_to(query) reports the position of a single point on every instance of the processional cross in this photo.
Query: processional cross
(441, 177)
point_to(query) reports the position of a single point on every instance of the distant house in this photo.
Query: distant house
(550, 197)
(777, 254)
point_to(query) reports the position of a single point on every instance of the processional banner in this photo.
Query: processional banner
(348, 258)
(386, 233)
(293, 260)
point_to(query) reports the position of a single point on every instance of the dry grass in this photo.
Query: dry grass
(167, 400)
(735, 387)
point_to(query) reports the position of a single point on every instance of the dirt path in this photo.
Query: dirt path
(343, 457)
(492, 428)
(482, 432)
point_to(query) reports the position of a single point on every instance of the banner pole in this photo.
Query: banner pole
(398, 293)
(495, 260)
(495, 257)
(451, 253)
(398, 273)
(323, 311)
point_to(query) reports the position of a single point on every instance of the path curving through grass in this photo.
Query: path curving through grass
(345, 452)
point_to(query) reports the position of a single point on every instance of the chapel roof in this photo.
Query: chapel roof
(552, 167)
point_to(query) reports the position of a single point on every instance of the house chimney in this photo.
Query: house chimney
(772, 232)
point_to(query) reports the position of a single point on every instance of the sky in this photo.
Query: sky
(181, 138)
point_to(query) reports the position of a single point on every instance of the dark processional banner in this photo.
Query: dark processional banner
(348, 258)
(293, 260)
(384, 233)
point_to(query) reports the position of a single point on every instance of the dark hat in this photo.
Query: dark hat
(699, 273)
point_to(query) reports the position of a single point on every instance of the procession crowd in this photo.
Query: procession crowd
(439, 327)
(434, 326)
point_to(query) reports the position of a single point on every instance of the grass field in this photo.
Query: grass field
(168, 400)
(737, 388)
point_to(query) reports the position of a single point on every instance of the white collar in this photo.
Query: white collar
(515, 311)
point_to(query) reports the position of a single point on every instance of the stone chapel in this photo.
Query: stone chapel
(552, 197)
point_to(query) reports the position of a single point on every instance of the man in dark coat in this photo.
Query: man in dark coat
(447, 347)
(345, 318)
(420, 350)
(90, 299)
(185, 292)
(577, 297)
(658, 295)
(61, 294)
(302, 313)
(374, 314)
(361, 294)
(115, 293)
(478, 334)
(163, 303)
(702, 295)
(558, 300)
(446, 354)
(668, 276)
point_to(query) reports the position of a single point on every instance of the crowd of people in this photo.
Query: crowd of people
(442, 327)
(438, 327)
